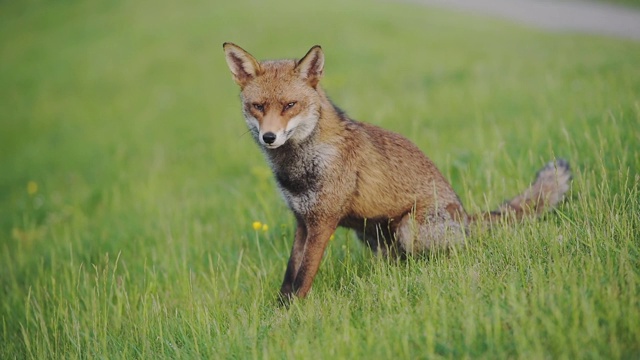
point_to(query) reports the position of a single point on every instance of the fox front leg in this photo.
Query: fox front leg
(294, 260)
(306, 255)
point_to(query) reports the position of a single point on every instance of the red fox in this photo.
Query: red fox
(334, 171)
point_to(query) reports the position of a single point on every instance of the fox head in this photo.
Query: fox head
(280, 101)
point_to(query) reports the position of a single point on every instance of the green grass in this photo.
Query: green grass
(137, 242)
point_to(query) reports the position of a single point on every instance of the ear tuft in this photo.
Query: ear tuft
(310, 67)
(243, 66)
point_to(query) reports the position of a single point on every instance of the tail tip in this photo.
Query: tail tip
(558, 167)
(553, 181)
(561, 163)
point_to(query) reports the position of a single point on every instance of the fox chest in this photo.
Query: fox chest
(300, 186)
(298, 181)
(300, 178)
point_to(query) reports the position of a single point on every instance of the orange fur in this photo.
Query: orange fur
(334, 171)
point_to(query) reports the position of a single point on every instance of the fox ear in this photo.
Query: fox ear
(311, 65)
(243, 66)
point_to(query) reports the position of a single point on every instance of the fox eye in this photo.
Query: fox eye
(289, 105)
(259, 107)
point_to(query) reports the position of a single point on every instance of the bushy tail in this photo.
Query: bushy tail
(548, 189)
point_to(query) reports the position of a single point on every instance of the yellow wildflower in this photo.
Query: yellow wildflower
(257, 225)
(32, 187)
(265, 227)
(333, 236)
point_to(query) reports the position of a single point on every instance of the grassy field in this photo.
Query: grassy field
(128, 187)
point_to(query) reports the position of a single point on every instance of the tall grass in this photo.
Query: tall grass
(128, 185)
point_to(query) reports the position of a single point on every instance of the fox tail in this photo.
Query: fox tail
(548, 189)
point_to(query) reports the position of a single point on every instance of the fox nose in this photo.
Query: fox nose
(269, 138)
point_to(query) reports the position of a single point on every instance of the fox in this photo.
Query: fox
(333, 171)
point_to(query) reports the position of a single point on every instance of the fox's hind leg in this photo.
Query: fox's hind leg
(438, 230)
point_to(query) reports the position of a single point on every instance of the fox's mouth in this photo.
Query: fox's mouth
(271, 140)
